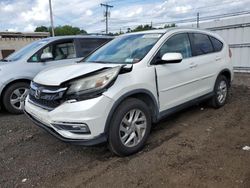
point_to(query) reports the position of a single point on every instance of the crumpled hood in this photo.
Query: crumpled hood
(57, 75)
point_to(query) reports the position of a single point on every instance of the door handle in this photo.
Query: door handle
(193, 65)
(217, 58)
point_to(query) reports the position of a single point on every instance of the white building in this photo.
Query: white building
(13, 41)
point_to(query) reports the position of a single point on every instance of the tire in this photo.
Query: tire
(12, 94)
(140, 129)
(221, 89)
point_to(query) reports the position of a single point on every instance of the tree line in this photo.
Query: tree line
(62, 30)
(70, 30)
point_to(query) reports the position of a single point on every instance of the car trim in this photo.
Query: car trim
(180, 107)
(47, 90)
(186, 83)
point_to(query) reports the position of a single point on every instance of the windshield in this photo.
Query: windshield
(25, 50)
(127, 49)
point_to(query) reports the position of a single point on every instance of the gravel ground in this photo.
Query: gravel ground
(198, 147)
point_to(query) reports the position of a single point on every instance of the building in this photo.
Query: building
(12, 41)
(236, 32)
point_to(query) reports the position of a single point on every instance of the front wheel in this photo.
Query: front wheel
(14, 96)
(221, 89)
(130, 127)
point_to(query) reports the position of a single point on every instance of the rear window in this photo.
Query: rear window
(90, 44)
(216, 44)
(201, 44)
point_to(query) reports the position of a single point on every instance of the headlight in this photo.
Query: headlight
(94, 83)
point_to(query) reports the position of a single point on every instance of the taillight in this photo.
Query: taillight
(230, 53)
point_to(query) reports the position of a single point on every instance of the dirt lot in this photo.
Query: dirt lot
(198, 147)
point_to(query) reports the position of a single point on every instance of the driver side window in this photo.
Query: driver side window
(178, 43)
(59, 51)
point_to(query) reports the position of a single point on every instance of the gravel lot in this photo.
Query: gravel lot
(198, 147)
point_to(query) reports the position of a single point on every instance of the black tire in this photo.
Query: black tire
(6, 100)
(214, 101)
(114, 141)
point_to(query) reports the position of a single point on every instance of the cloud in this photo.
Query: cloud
(89, 13)
(25, 15)
(39, 12)
(29, 27)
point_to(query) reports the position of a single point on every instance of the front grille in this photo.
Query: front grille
(45, 103)
(48, 97)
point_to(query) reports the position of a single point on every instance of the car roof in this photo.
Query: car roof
(163, 31)
(77, 37)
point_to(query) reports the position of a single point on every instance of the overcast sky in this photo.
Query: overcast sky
(25, 15)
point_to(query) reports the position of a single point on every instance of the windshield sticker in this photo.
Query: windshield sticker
(152, 36)
(129, 60)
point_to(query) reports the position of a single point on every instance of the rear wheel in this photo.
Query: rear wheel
(14, 96)
(130, 127)
(220, 92)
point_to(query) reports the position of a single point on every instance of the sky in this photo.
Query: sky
(26, 15)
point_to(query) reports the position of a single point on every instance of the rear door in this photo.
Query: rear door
(205, 61)
(84, 46)
(176, 82)
(63, 52)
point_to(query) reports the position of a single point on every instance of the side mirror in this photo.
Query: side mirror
(171, 58)
(46, 56)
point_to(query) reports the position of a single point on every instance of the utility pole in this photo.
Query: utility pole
(198, 19)
(51, 19)
(106, 14)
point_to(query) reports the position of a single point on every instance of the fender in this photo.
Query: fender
(130, 93)
(222, 71)
(6, 83)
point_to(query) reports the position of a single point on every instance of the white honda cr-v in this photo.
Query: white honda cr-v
(117, 92)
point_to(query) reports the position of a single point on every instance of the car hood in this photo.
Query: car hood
(57, 75)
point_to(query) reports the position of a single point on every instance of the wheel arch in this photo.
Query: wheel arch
(227, 74)
(27, 80)
(141, 94)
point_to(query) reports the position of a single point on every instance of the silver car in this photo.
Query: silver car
(18, 69)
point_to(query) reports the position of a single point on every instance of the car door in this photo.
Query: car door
(177, 81)
(63, 52)
(206, 61)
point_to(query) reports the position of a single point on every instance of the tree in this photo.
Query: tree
(68, 30)
(142, 28)
(62, 30)
(170, 25)
(42, 29)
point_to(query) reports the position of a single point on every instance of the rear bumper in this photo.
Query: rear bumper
(89, 142)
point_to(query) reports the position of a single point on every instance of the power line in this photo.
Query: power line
(106, 14)
(189, 20)
(195, 10)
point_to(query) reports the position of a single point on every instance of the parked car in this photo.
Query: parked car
(133, 81)
(17, 70)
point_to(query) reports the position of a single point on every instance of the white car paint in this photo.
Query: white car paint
(22, 69)
(170, 85)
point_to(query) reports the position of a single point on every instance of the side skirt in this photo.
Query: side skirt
(180, 107)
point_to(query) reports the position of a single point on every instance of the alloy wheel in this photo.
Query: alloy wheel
(222, 91)
(132, 128)
(17, 98)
